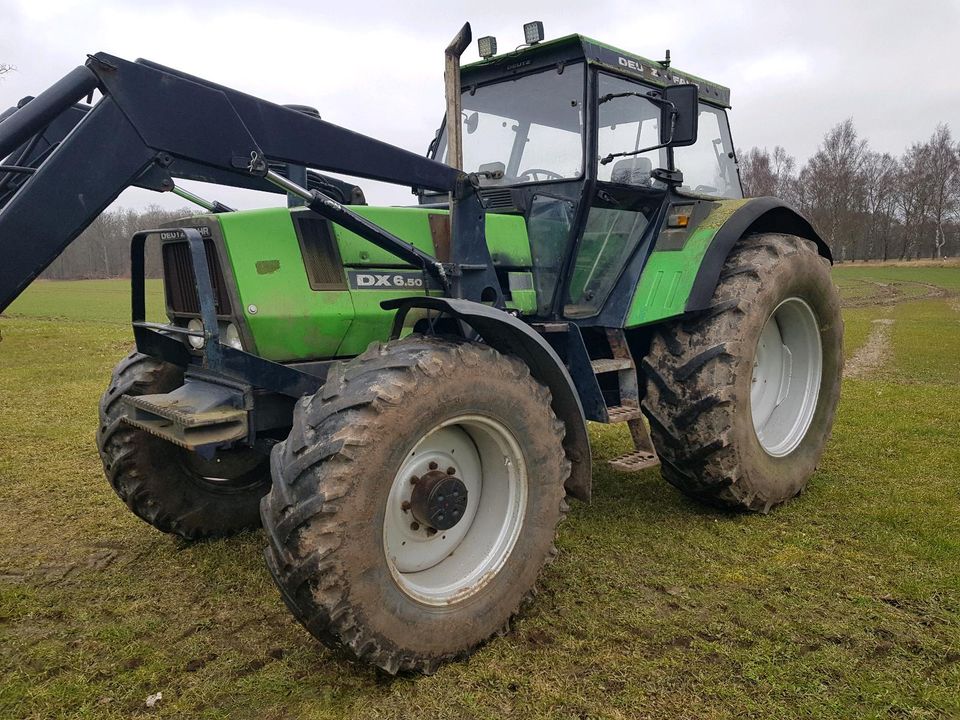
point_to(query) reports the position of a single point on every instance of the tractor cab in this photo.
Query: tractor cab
(592, 145)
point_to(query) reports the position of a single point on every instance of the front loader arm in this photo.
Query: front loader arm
(69, 190)
(153, 123)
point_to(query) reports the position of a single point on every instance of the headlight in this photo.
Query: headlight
(196, 341)
(231, 336)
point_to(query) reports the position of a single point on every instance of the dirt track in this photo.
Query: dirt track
(875, 352)
(893, 293)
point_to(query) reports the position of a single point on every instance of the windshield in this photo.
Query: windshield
(529, 129)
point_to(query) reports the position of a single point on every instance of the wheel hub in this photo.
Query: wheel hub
(786, 377)
(439, 500)
(455, 509)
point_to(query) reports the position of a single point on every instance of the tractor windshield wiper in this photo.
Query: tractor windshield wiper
(613, 96)
(609, 158)
(649, 95)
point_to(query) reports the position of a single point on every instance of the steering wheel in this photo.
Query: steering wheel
(534, 173)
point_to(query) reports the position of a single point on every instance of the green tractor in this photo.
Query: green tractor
(399, 395)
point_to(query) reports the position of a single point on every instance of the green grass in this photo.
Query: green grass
(101, 301)
(845, 603)
(926, 340)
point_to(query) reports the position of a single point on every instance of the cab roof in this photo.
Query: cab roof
(573, 48)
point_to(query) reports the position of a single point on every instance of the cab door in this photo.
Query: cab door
(625, 199)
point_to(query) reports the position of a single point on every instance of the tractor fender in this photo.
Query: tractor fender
(511, 336)
(762, 214)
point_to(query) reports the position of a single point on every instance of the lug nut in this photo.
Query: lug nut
(433, 465)
(414, 480)
(414, 526)
(451, 470)
(405, 505)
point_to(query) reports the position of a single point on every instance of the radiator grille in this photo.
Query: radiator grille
(321, 257)
(178, 279)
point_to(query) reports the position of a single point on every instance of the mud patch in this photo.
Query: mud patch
(874, 354)
(892, 293)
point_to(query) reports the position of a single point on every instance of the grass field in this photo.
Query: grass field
(843, 604)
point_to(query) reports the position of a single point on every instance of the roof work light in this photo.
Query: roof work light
(487, 45)
(533, 32)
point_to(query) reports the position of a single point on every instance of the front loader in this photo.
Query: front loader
(400, 395)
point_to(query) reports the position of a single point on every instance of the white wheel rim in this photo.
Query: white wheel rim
(786, 377)
(448, 566)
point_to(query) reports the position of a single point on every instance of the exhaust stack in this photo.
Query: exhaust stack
(451, 82)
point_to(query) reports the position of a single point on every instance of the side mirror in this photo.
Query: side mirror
(679, 114)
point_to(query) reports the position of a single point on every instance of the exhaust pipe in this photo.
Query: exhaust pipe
(451, 82)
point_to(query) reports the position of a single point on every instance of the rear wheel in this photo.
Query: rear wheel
(415, 501)
(171, 488)
(741, 398)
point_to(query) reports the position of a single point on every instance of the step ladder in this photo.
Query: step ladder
(628, 408)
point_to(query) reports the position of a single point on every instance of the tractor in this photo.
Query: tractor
(399, 396)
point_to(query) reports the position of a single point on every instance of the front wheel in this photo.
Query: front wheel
(169, 487)
(415, 501)
(741, 398)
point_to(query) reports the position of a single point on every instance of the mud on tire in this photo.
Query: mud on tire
(699, 374)
(325, 514)
(168, 486)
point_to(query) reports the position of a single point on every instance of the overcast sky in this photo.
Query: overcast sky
(795, 68)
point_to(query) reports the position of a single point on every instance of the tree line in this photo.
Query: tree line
(868, 205)
(103, 249)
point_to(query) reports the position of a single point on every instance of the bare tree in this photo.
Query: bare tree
(5, 68)
(944, 173)
(880, 178)
(914, 196)
(830, 188)
(765, 174)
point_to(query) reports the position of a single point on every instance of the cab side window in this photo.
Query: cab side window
(708, 167)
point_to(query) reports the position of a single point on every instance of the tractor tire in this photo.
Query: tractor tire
(359, 485)
(741, 398)
(167, 486)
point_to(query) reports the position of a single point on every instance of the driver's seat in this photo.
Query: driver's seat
(632, 171)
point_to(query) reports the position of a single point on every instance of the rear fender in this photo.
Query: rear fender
(763, 214)
(511, 336)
